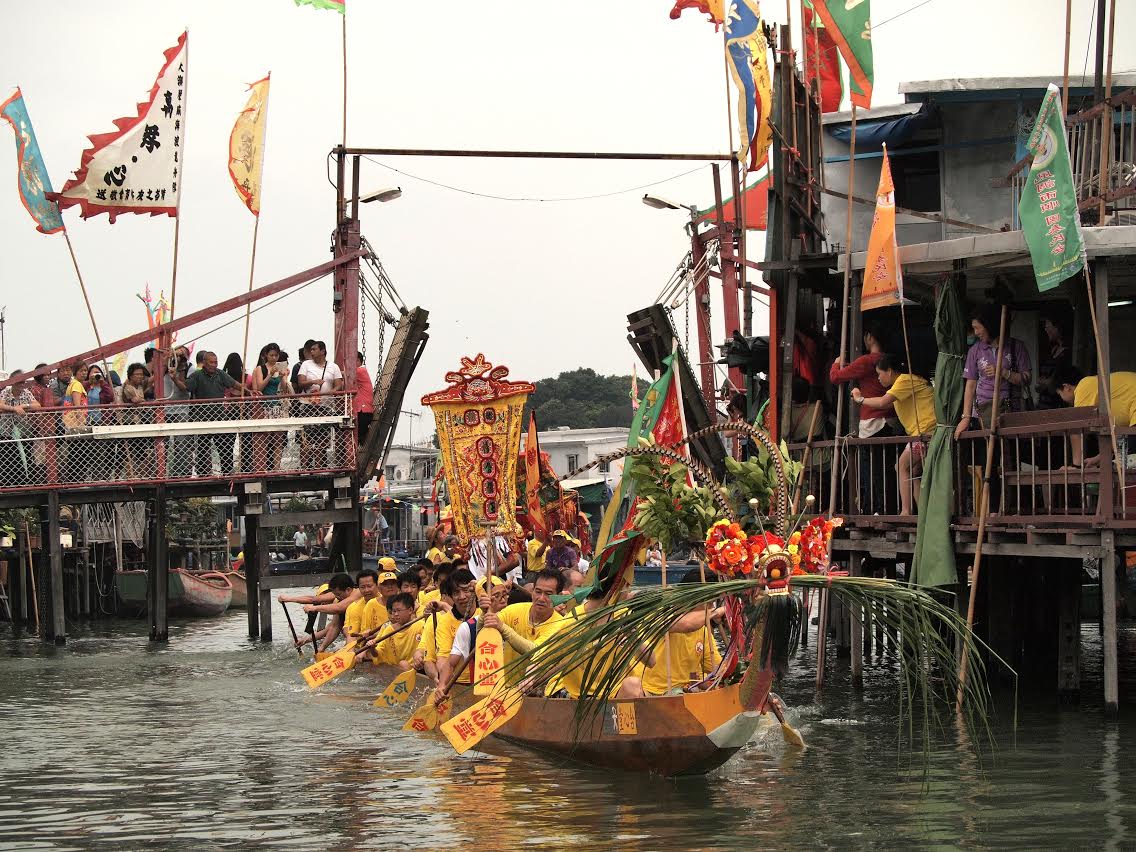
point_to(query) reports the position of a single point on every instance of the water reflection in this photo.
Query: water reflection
(214, 741)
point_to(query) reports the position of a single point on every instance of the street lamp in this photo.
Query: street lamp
(661, 203)
(388, 194)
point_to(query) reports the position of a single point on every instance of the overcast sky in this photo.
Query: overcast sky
(541, 287)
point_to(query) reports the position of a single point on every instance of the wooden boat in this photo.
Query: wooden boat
(204, 595)
(240, 589)
(671, 735)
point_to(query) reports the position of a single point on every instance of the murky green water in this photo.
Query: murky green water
(213, 742)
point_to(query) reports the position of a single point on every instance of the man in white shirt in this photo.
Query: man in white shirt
(317, 378)
(300, 541)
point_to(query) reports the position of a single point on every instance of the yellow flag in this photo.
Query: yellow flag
(883, 277)
(246, 146)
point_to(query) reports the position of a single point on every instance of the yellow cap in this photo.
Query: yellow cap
(388, 576)
(560, 533)
(497, 581)
(388, 564)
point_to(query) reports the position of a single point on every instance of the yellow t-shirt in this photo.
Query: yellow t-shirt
(693, 656)
(914, 404)
(1122, 396)
(73, 387)
(400, 647)
(375, 614)
(353, 617)
(436, 647)
(536, 563)
(425, 597)
(517, 617)
(573, 679)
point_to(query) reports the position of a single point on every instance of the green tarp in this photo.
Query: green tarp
(934, 561)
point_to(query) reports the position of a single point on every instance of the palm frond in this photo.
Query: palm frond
(605, 644)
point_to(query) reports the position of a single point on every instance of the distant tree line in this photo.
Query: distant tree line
(581, 399)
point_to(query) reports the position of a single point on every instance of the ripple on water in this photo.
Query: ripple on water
(214, 742)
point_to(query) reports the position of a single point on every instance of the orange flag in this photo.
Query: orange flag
(883, 277)
(532, 481)
(246, 146)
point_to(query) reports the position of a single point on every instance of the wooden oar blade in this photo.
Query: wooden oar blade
(398, 691)
(792, 735)
(326, 670)
(470, 727)
(428, 716)
(490, 659)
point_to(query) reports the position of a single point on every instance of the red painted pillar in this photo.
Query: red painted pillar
(730, 313)
(702, 314)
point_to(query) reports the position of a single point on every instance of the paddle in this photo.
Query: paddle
(792, 735)
(292, 627)
(398, 691)
(310, 629)
(333, 665)
(470, 727)
(428, 716)
(490, 649)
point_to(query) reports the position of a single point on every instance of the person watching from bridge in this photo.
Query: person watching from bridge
(317, 378)
(914, 404)
(1076, 389)
(979, 371)
(269, 378)
(364, 400)
(210, 383)
(303, 355)
(41, 389)
(60, 383)
(16, 400)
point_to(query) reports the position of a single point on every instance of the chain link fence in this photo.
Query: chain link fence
(174, 441)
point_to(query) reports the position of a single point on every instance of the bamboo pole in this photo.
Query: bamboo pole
(1065, 72)
(248, 307)
(983, 508)
(32, 573)
(667, 638)
(86, 298)
(344, 75)
(822, 626)
(181, 186)
(805, 457)
(1106, 118)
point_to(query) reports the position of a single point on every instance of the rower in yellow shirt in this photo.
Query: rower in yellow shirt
(399, 649)
(457, 598)
(525, 625)
(376, 613)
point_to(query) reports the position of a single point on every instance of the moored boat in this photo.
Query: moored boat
(190, 594)
(240, 589)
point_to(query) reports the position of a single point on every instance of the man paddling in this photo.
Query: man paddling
(524, 625)
(457, 599)
(399, 649)
(690, 646)
(343, 593)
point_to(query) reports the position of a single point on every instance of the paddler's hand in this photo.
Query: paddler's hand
(439, 696)
(309, 608)
(490, 619)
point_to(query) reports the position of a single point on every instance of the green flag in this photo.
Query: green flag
(849, 24)
(1048, 206)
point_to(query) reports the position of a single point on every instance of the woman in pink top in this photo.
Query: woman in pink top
(364, 400)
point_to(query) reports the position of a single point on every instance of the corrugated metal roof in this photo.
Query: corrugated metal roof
(990, 84)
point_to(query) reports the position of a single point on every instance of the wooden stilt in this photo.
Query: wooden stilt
(1069, 631)
(1108, 613)
(159, 569)
(264, 595)
(54, 550)
(252, 549)
(857, 628)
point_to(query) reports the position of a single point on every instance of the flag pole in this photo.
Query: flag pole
(181, 181)
(345, 75)
(822, 626)
(86, 298)
(1106, 118)
(256, 229)
(1065, 75)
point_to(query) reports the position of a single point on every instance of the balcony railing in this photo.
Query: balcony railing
(1034, 482)
(176, 441)
(1115, 184)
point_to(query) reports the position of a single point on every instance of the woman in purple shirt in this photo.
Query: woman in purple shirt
(980, 370)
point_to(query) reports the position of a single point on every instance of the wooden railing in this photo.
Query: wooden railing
(1034, 482)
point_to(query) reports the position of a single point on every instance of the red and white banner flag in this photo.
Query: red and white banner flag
(137, 168)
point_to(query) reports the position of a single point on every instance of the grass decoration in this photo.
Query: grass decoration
(927, 631)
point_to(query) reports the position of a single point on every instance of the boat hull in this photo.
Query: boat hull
(673, 735)
(240, 590)
(189, 594)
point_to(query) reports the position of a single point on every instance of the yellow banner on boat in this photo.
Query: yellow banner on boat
(398, 691)
(478, 418)
(470, 727)
(324, 671)
(428, 716)
(488, 659)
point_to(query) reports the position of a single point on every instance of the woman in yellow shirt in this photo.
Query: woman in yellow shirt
(914, 405)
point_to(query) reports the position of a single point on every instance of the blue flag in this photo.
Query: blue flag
(33, 181)
(743, 25)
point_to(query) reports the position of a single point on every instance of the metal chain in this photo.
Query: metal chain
(686, 317)
(363, 317)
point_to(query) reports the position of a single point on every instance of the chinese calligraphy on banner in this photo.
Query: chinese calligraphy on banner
(137, 168)
(1051, 223)
(246, 146)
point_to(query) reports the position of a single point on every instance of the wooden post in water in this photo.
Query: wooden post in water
(1108, 615)
(159, 571)
(53, 550)
(253, 545)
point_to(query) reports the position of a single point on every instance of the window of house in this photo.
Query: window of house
(573, 463)
(916, 179)
(390, 471)
(605, 466)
